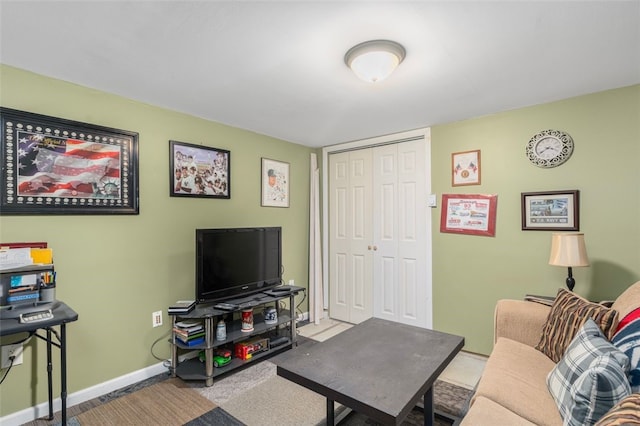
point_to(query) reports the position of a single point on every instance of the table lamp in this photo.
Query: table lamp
(568, 250)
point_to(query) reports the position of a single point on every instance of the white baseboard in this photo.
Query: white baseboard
(302, 317)
(41, 410)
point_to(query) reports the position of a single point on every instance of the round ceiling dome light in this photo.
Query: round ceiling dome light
(374, 60)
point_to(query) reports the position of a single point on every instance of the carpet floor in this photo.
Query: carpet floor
(253, 396)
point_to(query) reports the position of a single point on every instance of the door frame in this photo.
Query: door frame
(424, 133)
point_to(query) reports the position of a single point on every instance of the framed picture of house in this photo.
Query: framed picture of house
(275, 183)
(551, 211)
(465, 168)
(470, 214)
(54, 166)
(199, 171)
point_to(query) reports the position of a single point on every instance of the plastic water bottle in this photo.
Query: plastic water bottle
(221, 331)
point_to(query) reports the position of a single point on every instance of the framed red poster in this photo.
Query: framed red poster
(470, 214)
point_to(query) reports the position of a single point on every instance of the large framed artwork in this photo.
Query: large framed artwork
(199, 171)
(55, 166)
(275, 183)
(470, 214)
(551, 211)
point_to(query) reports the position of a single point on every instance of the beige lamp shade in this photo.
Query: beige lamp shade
(568, 250)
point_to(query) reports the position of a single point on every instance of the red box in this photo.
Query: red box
(244, 350)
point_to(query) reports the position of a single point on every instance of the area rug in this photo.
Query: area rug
(254, 396)
(278, 401)
(170, 402)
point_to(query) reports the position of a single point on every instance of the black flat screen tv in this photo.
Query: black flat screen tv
(235, 262)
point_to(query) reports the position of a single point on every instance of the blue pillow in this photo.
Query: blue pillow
(628, 341)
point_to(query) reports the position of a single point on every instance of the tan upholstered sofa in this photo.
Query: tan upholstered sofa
(513, 388)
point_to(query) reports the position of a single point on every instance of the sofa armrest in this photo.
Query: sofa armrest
(520, 320)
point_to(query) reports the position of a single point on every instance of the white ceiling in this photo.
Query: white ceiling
(276, 67)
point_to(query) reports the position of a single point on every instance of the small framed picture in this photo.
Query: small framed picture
(199, 171)
(275, 183)
(470, 214)
(465, 168)
(551, 211)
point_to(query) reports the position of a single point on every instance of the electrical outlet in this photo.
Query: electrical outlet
(156, 317)
(11, 350)
(292, 282)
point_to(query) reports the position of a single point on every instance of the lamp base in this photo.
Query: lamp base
(571, 282)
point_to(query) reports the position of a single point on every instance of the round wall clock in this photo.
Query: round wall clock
(549, 148)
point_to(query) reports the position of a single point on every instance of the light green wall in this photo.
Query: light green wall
(471, 273)
(116, 270)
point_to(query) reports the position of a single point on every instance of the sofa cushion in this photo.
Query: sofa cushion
(486, 412)
(627, 339)
(628, 300)
(567, 315)
(624, 321)
(590, 379)
(515, 377)
(626, 412)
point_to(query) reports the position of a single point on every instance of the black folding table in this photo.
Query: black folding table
(62, 314)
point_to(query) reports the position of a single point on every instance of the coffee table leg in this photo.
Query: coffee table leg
(330, 413)
(428, 407)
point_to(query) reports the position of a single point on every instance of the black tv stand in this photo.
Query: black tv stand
(281, 335)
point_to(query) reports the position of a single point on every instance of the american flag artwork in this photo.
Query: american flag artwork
(62, 167)
(56, 166)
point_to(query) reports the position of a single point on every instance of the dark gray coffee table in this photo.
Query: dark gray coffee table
(378, 368)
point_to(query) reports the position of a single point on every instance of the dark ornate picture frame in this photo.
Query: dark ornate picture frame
(54, 166)
(199, 171)
(551, 210)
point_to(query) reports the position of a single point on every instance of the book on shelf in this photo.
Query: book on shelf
(194, 342)
(189, 325)
(188, 336)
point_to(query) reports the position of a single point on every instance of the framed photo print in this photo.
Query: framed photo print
(551, 211)
(469, 214)
(275, 183)
(199, 171)
(54, 166)
(465, 168)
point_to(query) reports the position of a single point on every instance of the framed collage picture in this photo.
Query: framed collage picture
(199, 171)
(551, 211)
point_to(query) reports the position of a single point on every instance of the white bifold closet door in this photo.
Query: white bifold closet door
(379, 235)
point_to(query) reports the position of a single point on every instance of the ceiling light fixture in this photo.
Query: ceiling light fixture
(374, 60)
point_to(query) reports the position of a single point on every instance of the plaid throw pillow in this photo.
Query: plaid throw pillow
(625, 413)
(590, 379)
(568, 313)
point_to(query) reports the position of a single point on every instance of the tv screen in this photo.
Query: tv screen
(233, 262)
